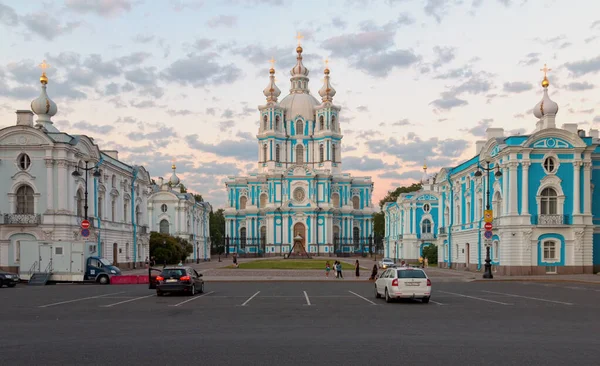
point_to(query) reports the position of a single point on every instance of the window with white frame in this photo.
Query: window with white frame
(468, 213)
(335, 199)
(321, 123)
(243, 201)
(426, 226)
(277, 123)
(265, 155)
(549, 165)
(164, 226)
(497, 204)
(277, 158)
(426, 207)
(24, 161)
(333, 153)
(25, 200)
(163, 207)
(321, 153)
(299, 154)
(495, 250)
(100, 202)
(356, 202)
(113, 209)
(549, 202)
(299, 128)
(263, 200)
(17, 251)
(550, 251)
(264, 122)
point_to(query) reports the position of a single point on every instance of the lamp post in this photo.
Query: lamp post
(77, 174)
(488, 266)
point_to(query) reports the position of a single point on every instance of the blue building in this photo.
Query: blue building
(541, 190)
(299, 200)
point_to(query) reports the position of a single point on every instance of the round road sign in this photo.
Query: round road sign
(85, 224)
(85, 233)
(488, 226)
(488, 234)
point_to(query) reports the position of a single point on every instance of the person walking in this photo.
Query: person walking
(357, 269)
(339, 269)
(373, 273)
(327, 268)
(235, 263)
(426, 261)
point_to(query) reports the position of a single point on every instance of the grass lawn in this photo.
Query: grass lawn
(290, 264)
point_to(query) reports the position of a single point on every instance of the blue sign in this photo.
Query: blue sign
(85, 233)
(488, 234)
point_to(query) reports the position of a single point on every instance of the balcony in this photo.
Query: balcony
(551, 220)
(142, 229)
(427, 236)
(22, 219)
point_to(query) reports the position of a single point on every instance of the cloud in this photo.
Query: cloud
(47, 26)
(225, 126)
(201, 70)
(244, 135)
(135, 59)
(456, 73)
(517, 87)
(480, 129)
(202, 44)
(143, 104)
(244, 150)
(111, 89)
(222, 20)
(179, 112)
(228, 113)
(448, 101)
(402, 122)
(412, 174)
(348, 45)
(579, 68)
(214, 168)
(210, 111)
(337, 22)
(104, 8)
(381, 64)
(160, 134)
(143, 38)
(128, 120)
(179, 5)
(8, 16)
(476, 84)
(88, 127)
(364, 164)
(579, 86)
(517, 131)
(436, 8)
(443, 55)
(142, 76)
(530, 59)
(362, 108)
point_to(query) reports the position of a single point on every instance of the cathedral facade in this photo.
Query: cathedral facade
(539, 188)
(299, 198)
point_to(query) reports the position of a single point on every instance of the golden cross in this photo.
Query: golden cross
(545, 70)
(299, 37)
(44, 66)
(272, 62)
(326, 62)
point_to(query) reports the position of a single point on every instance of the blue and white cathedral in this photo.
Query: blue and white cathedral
(299, 198)
(541, 192)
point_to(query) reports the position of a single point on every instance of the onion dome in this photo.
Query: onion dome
(174, 180)
(425, 177)
(327, 91)
(272, 91)
(546, 106)
(43, 106)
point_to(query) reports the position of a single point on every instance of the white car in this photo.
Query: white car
(408, 283)
(386, 263)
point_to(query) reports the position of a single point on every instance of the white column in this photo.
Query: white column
(50, 184)
(150, 217)
(504, 195)
(525, 188)
(176, 219)
(513, 189)
(414, 216)
(587, 188)
(576, 187)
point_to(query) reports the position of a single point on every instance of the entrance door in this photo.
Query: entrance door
(467, 255)
(299, 238)
(115, 254)
(45, 257)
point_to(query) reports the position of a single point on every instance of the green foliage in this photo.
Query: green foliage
(182, 188)
(393, 195)
(164, 247)
(431, 253)
(217, 230)
(198, 197)
(379, 224)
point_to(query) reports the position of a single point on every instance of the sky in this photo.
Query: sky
(181, 80)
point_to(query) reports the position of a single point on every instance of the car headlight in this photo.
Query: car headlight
(113, 271)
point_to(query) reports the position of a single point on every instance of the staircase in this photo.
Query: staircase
(40, 278)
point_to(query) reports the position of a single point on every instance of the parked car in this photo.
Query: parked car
(409, 283)
(9, 279)
(179, 279)
(386, 263)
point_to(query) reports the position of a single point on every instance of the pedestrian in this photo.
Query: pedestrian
(357, 269)
(426, 261)
(421, 264)
(402, 264)
(373, 273)
(339, 269)
(147, 262)
(235, 262)
(327, 269)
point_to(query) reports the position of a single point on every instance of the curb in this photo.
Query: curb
(536, 280)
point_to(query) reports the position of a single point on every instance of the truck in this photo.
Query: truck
(45, 261)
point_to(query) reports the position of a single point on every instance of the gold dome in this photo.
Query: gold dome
(299, 49)
(173, 166)
(424, 166)
(271, 70)
(44, 79)
(545, 82)
(326, 71)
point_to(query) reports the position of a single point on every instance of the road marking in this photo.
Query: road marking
(307, 299)
(251, 297)
(473, 297)
(81, 299)
(527, 297)
(364, 298)
(435, 302)
(193, 298)
(575, 288)
(130, 300)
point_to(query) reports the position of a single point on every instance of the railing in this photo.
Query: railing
(427, 236)
(49, 267)
(32, 269)
(22, 219)
(550, 220)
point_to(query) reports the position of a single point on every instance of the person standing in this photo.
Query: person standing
(357, 269)
(339, 269)
(327, 268)
(235, 263)
(426, 261)
(373, 273)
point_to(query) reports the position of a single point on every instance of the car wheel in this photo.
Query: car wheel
(103, 280)
(0, 283)
(377, 295)
(387, 296)
(201, 288)
(425, 300)
(159, 293)
(193, 291)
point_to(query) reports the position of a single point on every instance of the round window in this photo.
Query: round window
(299, 194)
(163, 208)
(426, 207)
(24, 162)
(549, 165)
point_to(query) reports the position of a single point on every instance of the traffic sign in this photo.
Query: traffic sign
(85, 224)
(488, 216)
(85, 233)
(488, 226)
(488, 242)
(488, 234)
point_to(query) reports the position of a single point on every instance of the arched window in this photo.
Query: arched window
(321, 123)
(243, 201)
(243, 237)
(299, 154)
(495, 250)
(426, 227)
(263, 235)
(265, 152)
(125, 206)
(333, 153)
(100, 204)
(335, 198)
(336, 231)
(497, 204)
(468, 213)
(549, 202)
(25, 200)
(114, 181)
(164, 226)
(24, 162)
(265, 122)
(356, 235)
(138, 215)
(447, 216)
(299, 128)
(113, 210)
(321, 153)
(80, 203)
(277, 157)
(356, 202)
(333, 126)
(263, 200)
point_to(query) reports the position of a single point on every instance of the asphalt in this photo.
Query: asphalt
(508, 323)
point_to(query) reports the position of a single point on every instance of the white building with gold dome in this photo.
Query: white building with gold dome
(44, 200)
(299, 197)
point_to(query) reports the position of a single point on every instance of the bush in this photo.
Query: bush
(431, 253)
(167, 249)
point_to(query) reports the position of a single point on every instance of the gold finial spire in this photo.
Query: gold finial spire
(424, 165)
(327, 66)
(272, 62)
(545, 82)
(299, 37)
(173, 166)
(44, 78)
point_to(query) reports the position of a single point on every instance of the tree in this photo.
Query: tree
(217, 229)
(198, 197)
(379, 224)
(431, 253)
(182, 188)
(167, 249)
(393, 195)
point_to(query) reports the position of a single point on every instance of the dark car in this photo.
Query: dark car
(179, 279)
(9, 279)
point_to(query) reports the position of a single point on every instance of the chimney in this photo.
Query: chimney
(494, 133)
(581, 133)
(24, 118)
(571, 127)
(112, 153)
(594, 133)
(479, 146)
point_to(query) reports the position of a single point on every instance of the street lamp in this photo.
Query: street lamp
(488, 266)
(77, 174)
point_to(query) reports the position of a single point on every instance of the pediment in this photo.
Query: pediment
(22, 175)
(427, 197)
(551, 143)
(20, 137)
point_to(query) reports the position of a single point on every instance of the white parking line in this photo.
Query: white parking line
(81, 299)
(130, 300)
(527, 297)
(473, 297)
(307, 299)
(193, 298)
(251, 297)
(364, 298)
(435, 302)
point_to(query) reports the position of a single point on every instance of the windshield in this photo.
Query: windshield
(411, 273)
(387, 260)
(105, 262)
(173, 273)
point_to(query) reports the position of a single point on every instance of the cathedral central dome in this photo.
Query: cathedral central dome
(302, 104)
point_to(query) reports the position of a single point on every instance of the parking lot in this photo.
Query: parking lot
(516, 321)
